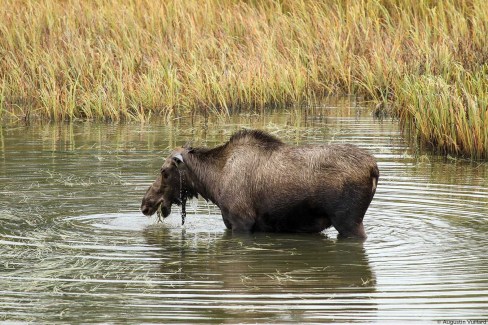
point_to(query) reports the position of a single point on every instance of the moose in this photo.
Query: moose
(263, 184)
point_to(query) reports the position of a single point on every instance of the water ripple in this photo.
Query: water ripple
(74, 246)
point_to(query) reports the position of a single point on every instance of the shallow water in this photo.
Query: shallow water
(74, 248)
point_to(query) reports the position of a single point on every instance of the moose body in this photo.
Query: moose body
(262, 184)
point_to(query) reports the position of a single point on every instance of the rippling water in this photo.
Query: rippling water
(74, 248)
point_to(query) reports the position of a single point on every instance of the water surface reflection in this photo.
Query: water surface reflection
(73, 245)
(271, 277)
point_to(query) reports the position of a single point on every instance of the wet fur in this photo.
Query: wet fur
(263, 184)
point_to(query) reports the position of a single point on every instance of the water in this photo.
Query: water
(74, 248)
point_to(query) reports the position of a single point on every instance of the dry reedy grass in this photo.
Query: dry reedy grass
(114, 59)
(450, 118)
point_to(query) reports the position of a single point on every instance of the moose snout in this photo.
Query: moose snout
(146, 210)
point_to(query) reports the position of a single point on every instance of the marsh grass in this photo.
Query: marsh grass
(117, 60)
(449, 118)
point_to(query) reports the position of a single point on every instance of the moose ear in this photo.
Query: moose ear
(188, 147)
(178, 158)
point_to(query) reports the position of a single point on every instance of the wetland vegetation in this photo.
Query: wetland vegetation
(423, 61)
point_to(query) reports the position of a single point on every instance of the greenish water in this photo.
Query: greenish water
(75, 248)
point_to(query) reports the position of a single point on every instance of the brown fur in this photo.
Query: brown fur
(263, 184)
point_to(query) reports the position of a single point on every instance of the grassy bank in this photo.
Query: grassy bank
(130, 59)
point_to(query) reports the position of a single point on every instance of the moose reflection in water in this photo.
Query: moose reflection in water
(262, 184)
(310, 274)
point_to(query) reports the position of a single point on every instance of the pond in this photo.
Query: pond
(75, 248)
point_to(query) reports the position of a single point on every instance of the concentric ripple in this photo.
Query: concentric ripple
(74, 247)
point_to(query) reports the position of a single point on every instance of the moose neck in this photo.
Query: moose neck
(204, 171)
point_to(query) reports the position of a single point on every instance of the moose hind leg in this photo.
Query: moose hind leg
(349, 224)
(348, 216)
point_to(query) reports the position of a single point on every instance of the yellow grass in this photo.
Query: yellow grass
(115, 59)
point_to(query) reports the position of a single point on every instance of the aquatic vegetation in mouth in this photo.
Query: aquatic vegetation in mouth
(159, 213)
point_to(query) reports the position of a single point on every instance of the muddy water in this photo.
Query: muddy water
(74, 248)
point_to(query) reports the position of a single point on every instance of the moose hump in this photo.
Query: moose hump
(262, 184)
(247, 137)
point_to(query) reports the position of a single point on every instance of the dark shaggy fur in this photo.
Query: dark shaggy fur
(263, 184)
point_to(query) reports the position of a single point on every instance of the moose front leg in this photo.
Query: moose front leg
(238, 222)
(225, 218)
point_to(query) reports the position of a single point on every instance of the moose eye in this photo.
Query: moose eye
(164, 172)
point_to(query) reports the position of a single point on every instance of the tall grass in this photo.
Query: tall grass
(130, 59)
(452, 118)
